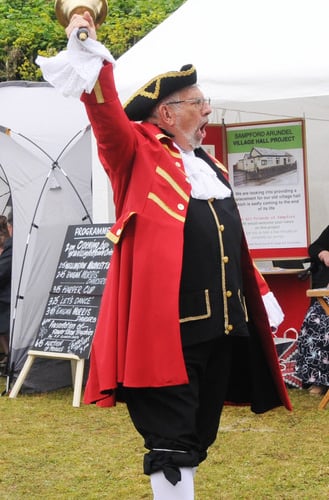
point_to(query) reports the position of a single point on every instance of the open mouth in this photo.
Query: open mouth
(203, 129)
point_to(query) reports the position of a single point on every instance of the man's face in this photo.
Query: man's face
(190, 117)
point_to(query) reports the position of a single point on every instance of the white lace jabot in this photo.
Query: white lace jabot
(204, 181)
(76, 69)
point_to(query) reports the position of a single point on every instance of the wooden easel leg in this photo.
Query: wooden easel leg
(22, 376)
(77, 367)
(78, 382)
(324, 401)
(73, 370)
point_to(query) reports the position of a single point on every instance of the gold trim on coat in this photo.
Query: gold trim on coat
(223, 271)
(201, 316)
(172, 152)
(164, 174)
(99, 93)
(164, 206)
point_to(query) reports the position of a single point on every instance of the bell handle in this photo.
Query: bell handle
(82, 34)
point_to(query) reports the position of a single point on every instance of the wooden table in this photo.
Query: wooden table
(320, 292)
(317, 292)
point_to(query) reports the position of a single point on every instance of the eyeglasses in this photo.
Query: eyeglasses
(198, 101)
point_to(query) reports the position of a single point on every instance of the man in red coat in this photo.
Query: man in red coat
(182, 327)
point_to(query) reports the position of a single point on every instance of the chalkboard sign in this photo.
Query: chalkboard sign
(71, 312)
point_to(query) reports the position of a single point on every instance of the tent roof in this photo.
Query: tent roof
(243, 51)
(38, 111)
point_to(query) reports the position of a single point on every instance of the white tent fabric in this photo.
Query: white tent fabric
(243, 51)
(258, 61)
(45, 165)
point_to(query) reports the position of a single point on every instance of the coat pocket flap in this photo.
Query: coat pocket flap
(194, 306)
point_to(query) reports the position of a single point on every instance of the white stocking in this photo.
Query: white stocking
(164, 490)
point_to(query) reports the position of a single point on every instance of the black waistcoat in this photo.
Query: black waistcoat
(211, 292)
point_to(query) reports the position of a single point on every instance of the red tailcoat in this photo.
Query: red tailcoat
(137, 340)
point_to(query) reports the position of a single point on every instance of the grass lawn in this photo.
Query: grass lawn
(51, 450)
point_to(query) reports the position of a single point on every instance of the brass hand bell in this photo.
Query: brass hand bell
(64, 9)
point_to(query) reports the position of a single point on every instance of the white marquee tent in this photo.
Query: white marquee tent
(258, 61)
(45, 176)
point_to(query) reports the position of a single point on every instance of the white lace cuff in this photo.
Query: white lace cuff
(76, 69)
(273, 309)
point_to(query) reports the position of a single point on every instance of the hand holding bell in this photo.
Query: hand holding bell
(64, 10)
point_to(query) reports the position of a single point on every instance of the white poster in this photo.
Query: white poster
(267, 173)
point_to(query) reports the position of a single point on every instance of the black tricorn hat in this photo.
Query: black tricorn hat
(139, 106)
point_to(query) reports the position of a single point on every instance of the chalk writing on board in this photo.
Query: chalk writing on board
(68, 324)
(84, 261)
(71, 312)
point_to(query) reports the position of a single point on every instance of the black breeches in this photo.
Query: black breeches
(185, 417)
